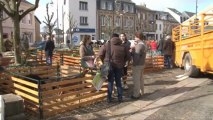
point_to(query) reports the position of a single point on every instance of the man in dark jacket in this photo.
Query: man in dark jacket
(160, 46)
(119, 55)
(168, 49)
(50, 46)
(127, 45)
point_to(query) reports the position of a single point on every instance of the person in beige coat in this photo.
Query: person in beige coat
(139, 56)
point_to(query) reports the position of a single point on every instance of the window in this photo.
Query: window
(83, 5)
(131, 9)
(156, 36)
(109, 5)
(29, 18)
(125, 7)
(128, 8)
(5, 35)
(117, 21)
(108, 20)
(160, 26)
(143, 16)
(102, 20)
(103, 5)
(23, 20)
(125, 22)
(83, 21)
(156, 17)
(156, 25)
(106, 5)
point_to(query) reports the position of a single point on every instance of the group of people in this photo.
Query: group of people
(119, 51)
(164, 47)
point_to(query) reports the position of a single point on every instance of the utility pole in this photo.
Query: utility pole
(63, 13)
(196, 9)
(57, 22)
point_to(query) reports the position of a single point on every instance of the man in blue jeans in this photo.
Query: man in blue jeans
(117, 54)
(49, 47)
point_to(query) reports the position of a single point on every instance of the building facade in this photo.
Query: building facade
(164, 24)
(37, 29)
(145, 21)
(27, 24)
(115, 16)
(84, 15)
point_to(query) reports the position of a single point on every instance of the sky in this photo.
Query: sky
(161, 5)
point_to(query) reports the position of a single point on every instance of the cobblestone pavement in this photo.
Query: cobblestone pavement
(153, 83)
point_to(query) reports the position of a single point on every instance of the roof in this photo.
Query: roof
(171, 18)
(128, 1)
(175, 11)
(143, 7)
(37, 19)
(189, 14)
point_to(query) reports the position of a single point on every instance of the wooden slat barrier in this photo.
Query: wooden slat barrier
(54, 96)
(60, 93)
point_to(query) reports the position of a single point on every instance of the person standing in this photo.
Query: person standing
(8, 45)
(127, 45)
(117, 57)
(86, 54)
(153, 45)
(160, 46)
(49, 47)
(68, 43)
(168, 49)
(139, 56)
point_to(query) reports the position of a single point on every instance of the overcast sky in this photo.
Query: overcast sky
(180, 5)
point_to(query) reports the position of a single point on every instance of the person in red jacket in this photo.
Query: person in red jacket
(153, 45)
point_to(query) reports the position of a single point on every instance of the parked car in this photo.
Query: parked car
(39, 45)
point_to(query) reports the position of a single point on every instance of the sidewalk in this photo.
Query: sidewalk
(143, 108)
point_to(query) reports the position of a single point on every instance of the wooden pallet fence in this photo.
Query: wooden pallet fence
(58, 94)
(154, 63)
(69, 94)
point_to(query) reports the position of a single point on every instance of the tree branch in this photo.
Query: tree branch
(30, 9)
(4, 5)
(3, 19)
(18, 3)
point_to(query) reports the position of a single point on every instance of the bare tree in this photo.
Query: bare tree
(12, 9)
(48, 21)
(1, 30)
(72, 24)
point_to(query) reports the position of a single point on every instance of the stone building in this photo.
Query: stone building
(145, 21)
(115, 16)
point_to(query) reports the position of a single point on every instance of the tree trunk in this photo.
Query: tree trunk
(16, 41)
(1, 38)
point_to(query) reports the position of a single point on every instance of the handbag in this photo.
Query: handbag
(87, 63)
(107, 66)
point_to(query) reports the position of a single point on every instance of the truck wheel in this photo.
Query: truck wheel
(190, 70)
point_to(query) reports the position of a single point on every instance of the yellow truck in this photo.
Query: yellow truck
(194, 43)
